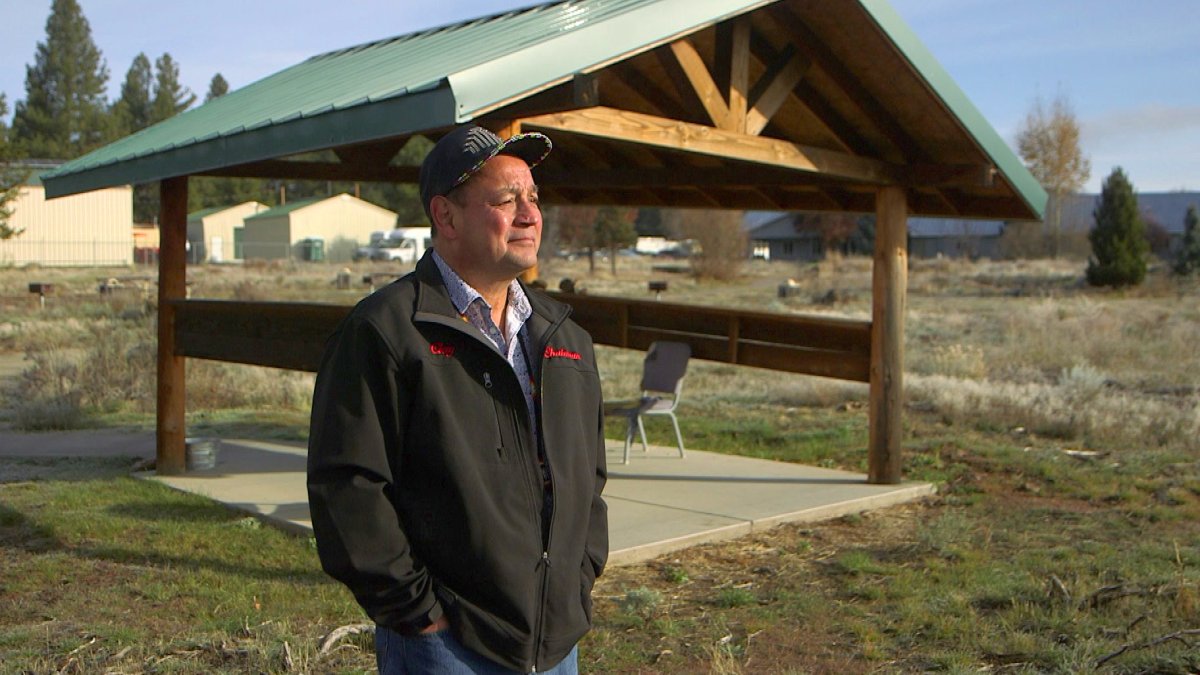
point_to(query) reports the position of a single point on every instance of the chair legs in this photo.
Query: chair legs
(642, 431)
(629, 435)
(678, 436)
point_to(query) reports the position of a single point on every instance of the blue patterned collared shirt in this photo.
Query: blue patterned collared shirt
(513, 344)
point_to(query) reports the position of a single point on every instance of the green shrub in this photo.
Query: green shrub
(1119, 245)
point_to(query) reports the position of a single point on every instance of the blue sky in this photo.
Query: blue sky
(1130, 70)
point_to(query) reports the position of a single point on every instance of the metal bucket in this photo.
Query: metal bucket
(202, 453)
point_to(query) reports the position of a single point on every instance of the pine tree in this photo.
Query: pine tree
(170, 97)
(132, 110)
(64, 113)
(1188, 261)
(1119, 246)
(12, 175)
(217, 88)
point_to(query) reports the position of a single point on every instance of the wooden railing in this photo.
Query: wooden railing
(292, 335)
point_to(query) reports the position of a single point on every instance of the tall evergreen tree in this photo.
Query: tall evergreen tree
(64, 113)
(1119, 246)
(12, 175)
(1188, 261)
(170, 97)
(132, 111)
(217, 88)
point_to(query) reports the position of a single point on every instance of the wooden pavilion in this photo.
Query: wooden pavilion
(735, 104)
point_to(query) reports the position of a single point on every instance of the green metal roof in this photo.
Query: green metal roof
(960, 106)
(436, 78)
(285, 209)
(204, 213)
(425, 80)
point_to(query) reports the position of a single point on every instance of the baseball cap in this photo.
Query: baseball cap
(461, 153)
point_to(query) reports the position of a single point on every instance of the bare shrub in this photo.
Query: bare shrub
(118, 365)
(215, 385)
(1138, 343)
(108, 366)
(961, 361)
(1080, 407)
(249, 291)
(719, 237)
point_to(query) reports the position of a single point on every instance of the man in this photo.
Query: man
(456, 453)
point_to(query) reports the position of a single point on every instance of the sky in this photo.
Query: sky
(1130, 71)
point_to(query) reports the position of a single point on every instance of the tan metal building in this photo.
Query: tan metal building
(214, 235)
(328, 228)
(89, 228)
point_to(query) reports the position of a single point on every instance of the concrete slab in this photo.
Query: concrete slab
(658, 503)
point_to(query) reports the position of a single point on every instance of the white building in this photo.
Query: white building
(86, 229)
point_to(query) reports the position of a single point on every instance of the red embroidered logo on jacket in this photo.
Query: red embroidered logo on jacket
(441, 349)
(559, 353)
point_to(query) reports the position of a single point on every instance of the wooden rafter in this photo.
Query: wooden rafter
(619, 125)
(703, 85)
(282, 168)
(773, 89)
(813, 47)
(739, 75)
(370, 154)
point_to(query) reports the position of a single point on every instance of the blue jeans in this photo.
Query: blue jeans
(440, 654)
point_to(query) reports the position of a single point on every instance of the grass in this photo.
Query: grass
(1060, 424)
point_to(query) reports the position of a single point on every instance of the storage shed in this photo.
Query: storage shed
(214, 235)
(86, 229)
(328, 228)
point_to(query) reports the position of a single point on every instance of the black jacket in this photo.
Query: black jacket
(423, 478)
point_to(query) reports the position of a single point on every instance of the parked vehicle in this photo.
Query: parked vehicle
(403, 244)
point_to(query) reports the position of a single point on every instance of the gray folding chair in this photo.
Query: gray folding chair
(663, 370)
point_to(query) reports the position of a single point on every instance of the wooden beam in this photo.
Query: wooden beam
(812, 46)
(702, 82)
(934, 176)
(633, 88)
(292, 335)
(275, 334)
(889, 295)
(776, 85)
(740, 175)
(170, 451)
(739, 75)
(580, 92)
(619, 125)
(370, 154)
(281, 168)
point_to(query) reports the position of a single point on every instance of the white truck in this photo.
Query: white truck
(403, 244)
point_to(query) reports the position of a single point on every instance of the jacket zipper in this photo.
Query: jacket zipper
(545, 562)
(541, 617)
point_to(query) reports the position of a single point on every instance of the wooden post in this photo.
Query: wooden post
(889, 290)
(172, 285)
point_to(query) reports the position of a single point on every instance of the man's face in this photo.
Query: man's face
(497, 219)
